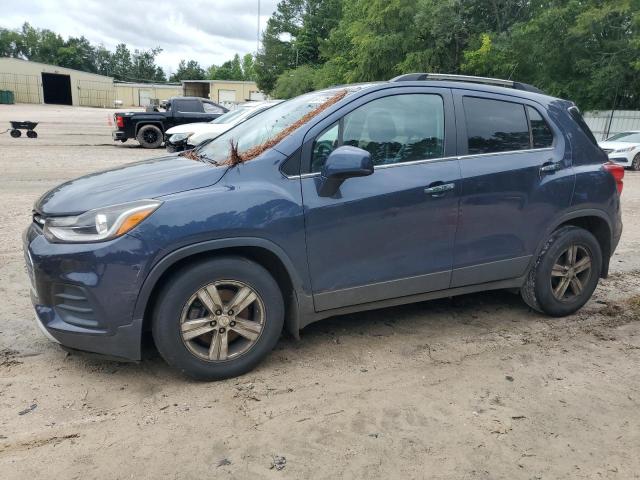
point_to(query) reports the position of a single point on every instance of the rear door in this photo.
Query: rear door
(516, 177)
(188, 110)
(389, 234)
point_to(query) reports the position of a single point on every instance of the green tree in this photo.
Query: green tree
(295, 82)
(143, 65)
(188, 70)
(248, 72)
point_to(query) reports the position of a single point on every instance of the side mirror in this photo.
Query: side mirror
(344, 162)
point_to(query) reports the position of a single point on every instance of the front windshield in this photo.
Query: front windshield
(267, 124)
(626, 137)
(231, 116)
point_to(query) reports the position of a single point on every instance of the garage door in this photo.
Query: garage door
(144, 98)
(256, 96)
(56, 88)
(226, 96)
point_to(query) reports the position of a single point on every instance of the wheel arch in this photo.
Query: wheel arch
(594, 221)
(143, 123)
(261, 251)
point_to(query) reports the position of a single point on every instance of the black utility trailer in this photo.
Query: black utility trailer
(28, 126)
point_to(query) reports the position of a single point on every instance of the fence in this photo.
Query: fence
(26, 88)
(604, 123)
(95, 93)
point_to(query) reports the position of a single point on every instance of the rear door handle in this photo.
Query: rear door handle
(550, 167)
(439, 190)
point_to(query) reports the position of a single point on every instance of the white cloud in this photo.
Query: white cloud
(209, 31)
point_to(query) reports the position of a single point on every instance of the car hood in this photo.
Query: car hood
(198, 137)
(192, 127)
(617, 145)
(136, 181)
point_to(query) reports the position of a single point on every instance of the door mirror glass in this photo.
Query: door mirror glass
(343, 163)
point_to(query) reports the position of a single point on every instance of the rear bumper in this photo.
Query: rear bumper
(84, 294)
(118, 135)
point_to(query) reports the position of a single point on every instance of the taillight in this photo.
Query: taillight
(119, 121)
(617, 172)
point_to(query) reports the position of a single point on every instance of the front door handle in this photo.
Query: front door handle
(550, 167)
(440, 189)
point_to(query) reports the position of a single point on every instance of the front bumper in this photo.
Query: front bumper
(178, 146)
(84, 295)
(625, 159)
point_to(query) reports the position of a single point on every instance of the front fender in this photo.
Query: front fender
(302, 299)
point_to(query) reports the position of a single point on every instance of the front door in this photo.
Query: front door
(390, 234)
(516, 177)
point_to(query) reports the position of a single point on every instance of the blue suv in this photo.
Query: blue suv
(340, 200)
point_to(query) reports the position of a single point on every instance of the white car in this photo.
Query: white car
(189, 135)
(623, 149)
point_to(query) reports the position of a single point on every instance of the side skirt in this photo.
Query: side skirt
(449, 292)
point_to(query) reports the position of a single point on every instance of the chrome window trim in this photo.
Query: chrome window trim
(433, 160)
(508, 152)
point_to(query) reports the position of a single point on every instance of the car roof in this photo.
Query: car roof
(190, 98)
(453, 82)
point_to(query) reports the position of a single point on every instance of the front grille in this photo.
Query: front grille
(72, 305)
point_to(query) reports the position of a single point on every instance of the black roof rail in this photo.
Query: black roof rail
(416, 77)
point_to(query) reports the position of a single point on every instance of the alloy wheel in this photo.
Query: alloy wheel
(570, 273)
(222, 320)
(150, 136)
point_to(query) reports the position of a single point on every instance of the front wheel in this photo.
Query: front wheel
(565, 274)
(218, 318)
(635, 164)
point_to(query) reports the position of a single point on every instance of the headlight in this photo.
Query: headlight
(100, 224)
(179, 137)
(622, 150)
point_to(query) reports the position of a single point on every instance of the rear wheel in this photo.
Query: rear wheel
(218, 319)
(15, 133)
(565, 273)
(149, 136)
(32, 134)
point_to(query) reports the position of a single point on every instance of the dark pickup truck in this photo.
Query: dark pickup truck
(148, 127)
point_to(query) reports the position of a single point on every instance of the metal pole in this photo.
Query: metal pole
(258, 36)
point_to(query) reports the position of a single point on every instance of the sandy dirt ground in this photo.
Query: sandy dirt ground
(474, 387)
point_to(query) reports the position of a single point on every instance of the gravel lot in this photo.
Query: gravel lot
(475, 387)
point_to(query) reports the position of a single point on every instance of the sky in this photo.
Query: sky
(209, 31)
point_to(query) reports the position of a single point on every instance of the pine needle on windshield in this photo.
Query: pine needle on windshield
(235, 157)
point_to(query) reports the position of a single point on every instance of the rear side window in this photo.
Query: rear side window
(577, 116)
(187, 106)
(495, 126)
(541, 134)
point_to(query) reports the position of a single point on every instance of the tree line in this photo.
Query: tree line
(584, 50)
(46, 46)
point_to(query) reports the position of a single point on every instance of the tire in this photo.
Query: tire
(171, 149)
(149, 136)
(179, 303)
(543, 279)
(32, 134)
(635, 164)
(123, 140)
(15, 133)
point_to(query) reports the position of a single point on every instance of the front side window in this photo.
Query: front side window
(395, 129)
(212, 108)
(495, 126)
